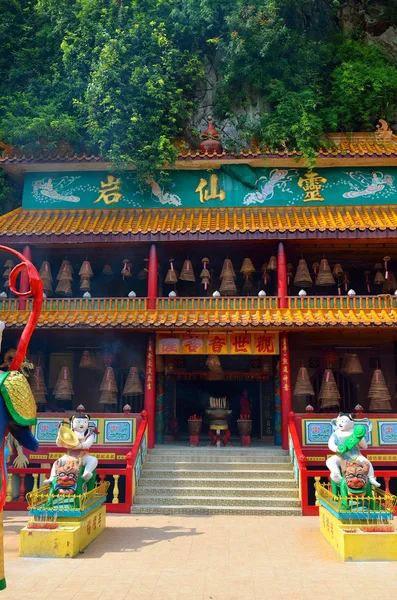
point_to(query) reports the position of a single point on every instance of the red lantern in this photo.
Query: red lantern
(330, 357)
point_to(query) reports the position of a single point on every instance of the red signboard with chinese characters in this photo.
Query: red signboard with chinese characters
(246, 344)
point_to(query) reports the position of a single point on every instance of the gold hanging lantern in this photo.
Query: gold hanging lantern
(87, 361)
(337, 271)
(38, 386)
(303, 385)
(46, 277)
(85, 284)
(64, 388)
(143, 273)
(64, 288)
(302, 276)
(107, 270)
(247, 268)
(85, 270)
(329, 395)
(171, 276)
(379, 394)
(213, 363)
(228, 285)
(126, 270)
(227, 267)
(272, 264)
(324, 277)
(133, 386)
(108, 388)
(351, 364)
(187, 273)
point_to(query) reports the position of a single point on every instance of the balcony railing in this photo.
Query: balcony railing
(230, 303)
(343, 302)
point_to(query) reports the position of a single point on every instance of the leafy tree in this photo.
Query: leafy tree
(119, 77)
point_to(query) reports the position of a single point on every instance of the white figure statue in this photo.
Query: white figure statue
(77, 444)
(346, 441)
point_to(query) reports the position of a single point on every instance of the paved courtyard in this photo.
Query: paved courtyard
(197, 558)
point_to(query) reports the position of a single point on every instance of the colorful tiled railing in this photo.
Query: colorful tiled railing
(208, 304)
(381, 302)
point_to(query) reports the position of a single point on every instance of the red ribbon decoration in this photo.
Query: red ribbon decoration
(35, 290)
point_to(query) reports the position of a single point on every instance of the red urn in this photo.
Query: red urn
(211, 140)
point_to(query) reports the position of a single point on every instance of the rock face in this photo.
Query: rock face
(373, 17)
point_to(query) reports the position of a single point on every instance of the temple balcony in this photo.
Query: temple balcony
(199, 313)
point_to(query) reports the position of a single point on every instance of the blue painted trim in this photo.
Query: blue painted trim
(356, 516)
(72, 512)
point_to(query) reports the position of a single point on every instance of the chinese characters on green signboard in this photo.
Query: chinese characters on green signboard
(226, 187)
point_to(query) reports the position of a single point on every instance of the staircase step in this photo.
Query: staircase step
(145, 509)
(214, 451)
(174, 459)
(218, 466)
(143, 499)
(227, 492)
(221, 482)
(215, 473)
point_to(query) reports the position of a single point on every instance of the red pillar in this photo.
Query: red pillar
(152, 278)
(24, 281)
(150, 390)
(285, 387)
(282, 287)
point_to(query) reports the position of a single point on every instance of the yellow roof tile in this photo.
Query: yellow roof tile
(215, 220)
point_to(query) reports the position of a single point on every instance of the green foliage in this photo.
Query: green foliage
(119, 77)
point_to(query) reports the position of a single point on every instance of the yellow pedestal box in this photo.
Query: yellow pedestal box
(355, 544)
(70, 537)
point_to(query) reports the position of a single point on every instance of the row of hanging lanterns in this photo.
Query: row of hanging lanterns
(227, 276)
(323, 276)
(329, 395)
(63, 389)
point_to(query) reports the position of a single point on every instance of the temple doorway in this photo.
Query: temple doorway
(247, 384)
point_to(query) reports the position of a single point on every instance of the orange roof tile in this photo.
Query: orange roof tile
(21, 222)
(198, 319)
(382, 143)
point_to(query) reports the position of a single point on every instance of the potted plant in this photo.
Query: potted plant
(244, 425)
(194, 425)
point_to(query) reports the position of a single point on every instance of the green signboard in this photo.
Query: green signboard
(228, 186)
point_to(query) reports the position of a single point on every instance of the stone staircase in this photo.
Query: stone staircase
(211, 481)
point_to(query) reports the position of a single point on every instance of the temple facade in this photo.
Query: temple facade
(247, 279)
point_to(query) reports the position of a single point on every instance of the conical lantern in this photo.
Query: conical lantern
(85, 284)
(303, 386)
(324, 277)
(329, 394)
(265, 274)
(227, 268)
(351, 364)
(65, 272)
(108, 388)
(38, 386)
(205, 275)
(107, 270)
(171, 276)
(228, 285)
(87, 361)
(143, 273)
(379, 394)
(133, 386)
(303, 278)
(272, 264)
(315, 267)
(9, 264)
(337, 271)
(247, 268)
(64, 288)
(213, 363)
(187, 273)
(126, 270)
(85, 270)
(379, 278)
(64, 388)
(46, 277)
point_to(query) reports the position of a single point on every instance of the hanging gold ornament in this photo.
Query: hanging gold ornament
(187, 273)
(171, 276)
(378, 393)
(303, 386)
(324, 277)
(303, 278)
(329, 395)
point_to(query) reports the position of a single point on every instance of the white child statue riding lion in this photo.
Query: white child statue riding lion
(347, 440)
